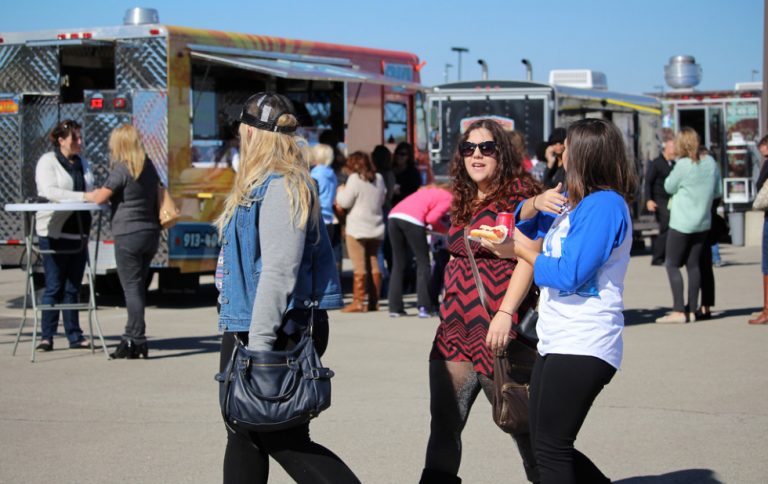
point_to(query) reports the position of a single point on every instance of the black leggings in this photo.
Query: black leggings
(453, 388)
(684, 249)
(246, 459)
(563, 388)
(403, 235)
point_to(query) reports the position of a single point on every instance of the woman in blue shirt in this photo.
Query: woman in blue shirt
(587, 239)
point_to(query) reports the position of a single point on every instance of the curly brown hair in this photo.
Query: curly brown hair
(502, 190)
(359, 162)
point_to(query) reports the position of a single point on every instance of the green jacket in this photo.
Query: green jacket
(693, 186)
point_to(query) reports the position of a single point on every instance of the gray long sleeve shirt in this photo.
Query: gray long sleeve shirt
(282, 245)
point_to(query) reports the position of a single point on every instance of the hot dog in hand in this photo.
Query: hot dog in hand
(495, 234)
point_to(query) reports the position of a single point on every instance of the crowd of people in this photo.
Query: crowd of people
(294, 210)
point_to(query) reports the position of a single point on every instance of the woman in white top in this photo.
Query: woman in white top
(363, 195)
(587, 237)
(63, 176)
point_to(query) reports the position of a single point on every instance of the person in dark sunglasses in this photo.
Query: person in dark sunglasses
(487, 178)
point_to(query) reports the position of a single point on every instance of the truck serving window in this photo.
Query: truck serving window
(86, 67)
(395, 122)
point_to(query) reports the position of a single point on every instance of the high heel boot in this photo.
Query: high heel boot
(124, 350)
(358, 296)
(374, 291)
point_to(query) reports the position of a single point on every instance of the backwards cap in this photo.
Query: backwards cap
(262, 111)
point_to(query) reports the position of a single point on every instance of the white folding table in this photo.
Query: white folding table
(30, 297)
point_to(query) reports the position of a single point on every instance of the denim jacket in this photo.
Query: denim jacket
(242, 266)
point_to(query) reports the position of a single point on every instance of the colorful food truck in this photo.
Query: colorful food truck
(182, 88)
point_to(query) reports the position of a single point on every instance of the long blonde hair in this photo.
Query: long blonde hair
(125, 147)
(687, 144)
(263, 153)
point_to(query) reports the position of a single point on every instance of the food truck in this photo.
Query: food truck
(182, 88)
(535, 109)
(722, 119)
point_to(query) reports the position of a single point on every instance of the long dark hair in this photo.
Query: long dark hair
(509, 167)
(597, 160)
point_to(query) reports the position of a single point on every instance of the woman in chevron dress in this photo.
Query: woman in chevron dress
(488, 178)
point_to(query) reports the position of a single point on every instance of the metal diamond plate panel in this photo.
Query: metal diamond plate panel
(96, 131)
(150, 116)
(72, 111)
(10, 156)
(161, 256)
(141, 64)
(29, 69)
(39, 115)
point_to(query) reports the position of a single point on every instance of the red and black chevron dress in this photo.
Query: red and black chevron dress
(463, 322)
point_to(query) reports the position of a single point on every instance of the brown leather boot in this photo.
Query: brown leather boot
(374, 291)
(358, 296)
(762, 318)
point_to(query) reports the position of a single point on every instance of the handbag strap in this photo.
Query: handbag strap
(227, 383)
(476, 272)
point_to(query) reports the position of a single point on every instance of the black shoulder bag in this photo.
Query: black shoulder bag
(265, 391)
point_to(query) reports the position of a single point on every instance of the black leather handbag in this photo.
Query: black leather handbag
(265, 391)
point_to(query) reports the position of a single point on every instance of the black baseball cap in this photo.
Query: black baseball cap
(557, 136)
(262, 110)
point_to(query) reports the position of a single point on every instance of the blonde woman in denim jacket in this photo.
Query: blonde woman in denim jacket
(276, 262)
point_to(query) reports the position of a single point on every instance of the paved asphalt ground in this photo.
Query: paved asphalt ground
(689, 406)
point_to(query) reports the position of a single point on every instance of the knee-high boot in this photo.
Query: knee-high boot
(358, 295)
(762, 318)
(374, 291)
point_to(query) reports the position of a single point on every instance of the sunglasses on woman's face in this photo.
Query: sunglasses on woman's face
(487, 148)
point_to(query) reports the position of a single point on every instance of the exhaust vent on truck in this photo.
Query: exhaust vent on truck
(141, 16)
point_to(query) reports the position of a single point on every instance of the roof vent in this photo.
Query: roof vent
(141, 16)
(583, 78)
(682, 72)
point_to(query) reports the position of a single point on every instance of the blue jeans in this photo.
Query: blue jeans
(63, 278)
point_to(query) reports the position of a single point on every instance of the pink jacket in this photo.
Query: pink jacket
(427, 206)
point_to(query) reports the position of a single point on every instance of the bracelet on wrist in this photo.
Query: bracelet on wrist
(534, 202)
(505, 312)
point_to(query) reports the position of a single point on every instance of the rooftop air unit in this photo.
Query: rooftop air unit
(583, 78)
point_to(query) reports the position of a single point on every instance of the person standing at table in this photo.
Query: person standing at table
(132, 189)
(63, 176)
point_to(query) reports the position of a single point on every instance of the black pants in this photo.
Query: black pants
(707, 276)
(403, 235)
(660, 242)
(246, 459)
(453, 388)
(685, 249)
(133, 254)
(563, 388)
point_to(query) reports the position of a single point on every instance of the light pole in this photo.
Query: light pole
(460, 50)
(447, 69)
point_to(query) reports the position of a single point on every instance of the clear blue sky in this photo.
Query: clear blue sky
(630, 41)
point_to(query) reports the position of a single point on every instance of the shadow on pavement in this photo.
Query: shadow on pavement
(692, 476)
(185, 346)
(633, 317)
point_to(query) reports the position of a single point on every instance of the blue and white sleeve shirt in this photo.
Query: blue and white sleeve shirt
(581, 275)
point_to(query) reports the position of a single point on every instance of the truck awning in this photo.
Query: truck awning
(303, 69)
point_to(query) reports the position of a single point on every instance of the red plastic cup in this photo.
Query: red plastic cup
(507, 219)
